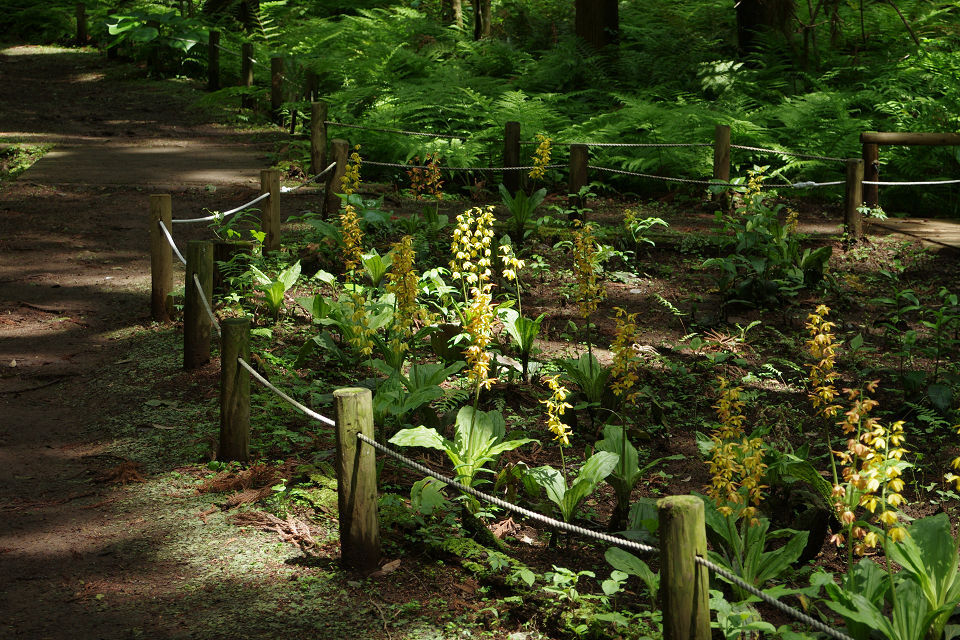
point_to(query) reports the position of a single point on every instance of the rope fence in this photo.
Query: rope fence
(225, 214)
(266, 383)
(173, 245)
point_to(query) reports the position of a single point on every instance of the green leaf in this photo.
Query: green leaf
(418, 437)
(594, 470)
(631, 564)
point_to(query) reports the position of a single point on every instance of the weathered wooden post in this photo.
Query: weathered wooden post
(161, 257)
(341, 153)
(318, 136)
(871, 173)
(246, 73)
(81, 24)
(234, 390)
(213, 61)
(579, 159)
(721, 161)
(684, 585)
(276, 88)
(853, 200)
(512, 179)
(196, 322)
(356, 480)
(270, 211)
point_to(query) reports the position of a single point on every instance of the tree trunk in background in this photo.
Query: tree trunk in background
(756, 16)
(598, 22)
(481, 18)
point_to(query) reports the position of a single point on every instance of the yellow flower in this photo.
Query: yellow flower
(556, 406)
(585, 261)
(350, 183)
(897, 534)
(624, 372)
(870, 540)
(541, 157)
(888, 517)
(352, 239)
(402, 282)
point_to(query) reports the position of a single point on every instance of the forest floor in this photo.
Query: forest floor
(104, 533)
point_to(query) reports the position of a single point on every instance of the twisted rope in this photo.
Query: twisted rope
(397, 165)
(806, 156)
(206, 304)
(909, 184)
(653, 177)
(173, 245)
(221, 216)
(306, 182)
(533, 515)
(773, 602)
(605, 537)
(400, 131)
(306, 410)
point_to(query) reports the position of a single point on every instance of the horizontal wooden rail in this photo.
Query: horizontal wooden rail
(910, 138)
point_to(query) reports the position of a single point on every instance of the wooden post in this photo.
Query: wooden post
(161, 258)
(196, 322)
(853, 199)
(81, 24)
(721, 161)
(276, 88)
(318, 136)
(341, 152)
(579, 159)
(224, 251)
(512, 180)
(356, 480)
(871, 172)
(246, 73)
(213, 61)
(270, 211)
(234, 391)
(190, 8)
(684, 585)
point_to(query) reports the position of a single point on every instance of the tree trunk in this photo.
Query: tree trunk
(481, 19)
(597, 22)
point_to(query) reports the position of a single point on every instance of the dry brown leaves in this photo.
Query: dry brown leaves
(249, 485)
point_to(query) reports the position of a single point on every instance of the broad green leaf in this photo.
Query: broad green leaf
(418, 437)
(594, 470)
(552, 481)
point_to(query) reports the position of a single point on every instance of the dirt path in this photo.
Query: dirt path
(81, 555)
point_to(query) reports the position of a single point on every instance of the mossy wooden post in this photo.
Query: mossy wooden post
(161, 258)
(579, 159)
(684, 585)
(81, 24)
(276, 88)
(196, 321)
(226, 251)
(341, 153)
(318, 136)
(721, 161)
(270, 209)
(853, 200)
(871, 173)
(512, 179)
(356, 480)
(234, 391)
(213, 61)
(246, 73)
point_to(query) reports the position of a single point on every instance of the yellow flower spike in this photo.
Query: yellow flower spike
(352, 239)
(556, 405)
(541, 157)
(590, 291)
